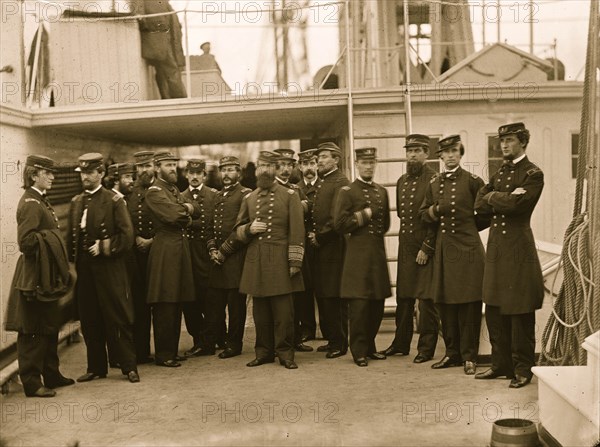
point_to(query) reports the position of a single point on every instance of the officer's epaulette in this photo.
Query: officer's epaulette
(29, 199)
(346, 188)
(247, 195)
(533, 170)
(116, 198)
(291, 191)
(158, 188)
(246, 190)
(434, 178)
(213, 189)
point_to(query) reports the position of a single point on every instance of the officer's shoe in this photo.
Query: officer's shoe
(289, 364)
(42, 392)
(259, 361)
(377, 356)
(169, 364)
(197, 351)
(335, 353)
(421, 358)
(519, 381)
(87, 377)
(324, 348)
(446, 362)
(228, 352)
(470, 368)
(301, 347)
(493, 374)
(392, 350)
(133, 376)
(362, 361)
(61, 381)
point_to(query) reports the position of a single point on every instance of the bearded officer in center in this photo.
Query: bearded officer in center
(271, 224)
(362, 213)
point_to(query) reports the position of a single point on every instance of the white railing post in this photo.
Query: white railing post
(407, 105)
(188, 76)
(349, 87)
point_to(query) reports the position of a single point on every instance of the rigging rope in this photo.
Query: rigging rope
(576, 310)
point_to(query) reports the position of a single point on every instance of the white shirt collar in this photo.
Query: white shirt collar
(117, 192)
(330, 172)
(93, 190)
(370, 182)
(199, 188)
(516, 160)
(310, 183)
(41, 193)
(450, 171)
(283, 182)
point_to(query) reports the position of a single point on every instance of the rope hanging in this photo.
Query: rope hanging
(576, 310)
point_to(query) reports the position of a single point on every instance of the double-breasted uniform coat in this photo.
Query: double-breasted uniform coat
(37, 322)
(299, 297)
(143, 227)
(170, 276)
(414, 281)
(459, 260)
(365, 277)
(329, 259)
(307, 318)
(513, 286)
(103, 293)
(224, 280)
(269, 257)
(199, 235)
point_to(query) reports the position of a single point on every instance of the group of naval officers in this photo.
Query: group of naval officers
(146, 254)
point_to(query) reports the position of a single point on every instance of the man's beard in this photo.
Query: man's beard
(414, 168)
(265, 180)
(146, 179)
(125, 189)
(169, 177)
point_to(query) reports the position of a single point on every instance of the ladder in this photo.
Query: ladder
(382, 122)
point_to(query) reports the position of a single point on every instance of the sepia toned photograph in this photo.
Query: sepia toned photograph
(300, 223)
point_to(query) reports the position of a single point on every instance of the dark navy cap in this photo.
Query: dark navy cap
(89, 162)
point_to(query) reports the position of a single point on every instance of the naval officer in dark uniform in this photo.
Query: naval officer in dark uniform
(102, 234)
(37, 321)
(459, 256)
(362, 212)
(329, 249)
(199, 235)
(170, 275)
(307, 163)
(225, 273)
(143, 231)
(285, 167)
(270, 224)
(416, 245)
(513, 286)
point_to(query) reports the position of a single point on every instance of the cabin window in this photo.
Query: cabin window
(433, 161)
(495, 159)
(66, 184)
